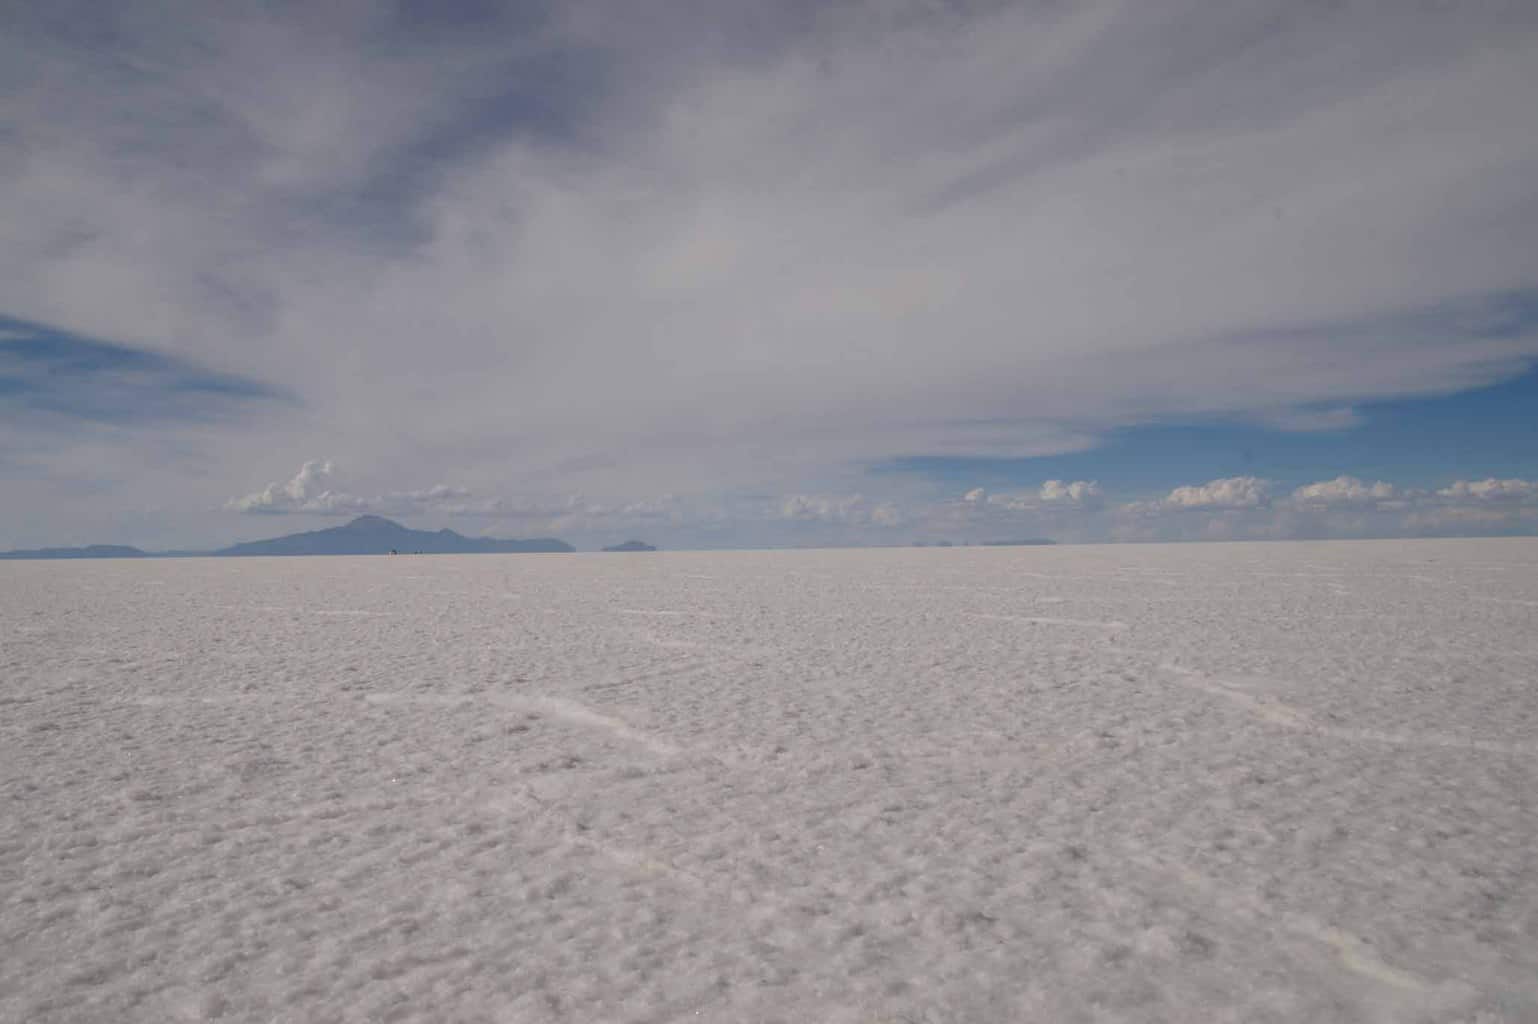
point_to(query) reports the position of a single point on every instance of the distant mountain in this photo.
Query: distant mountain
(375, 535)
(631, 545)
(1029, 542)
(366, 535)
(90, 551)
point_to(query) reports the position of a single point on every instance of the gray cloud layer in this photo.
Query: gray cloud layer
(746, 248)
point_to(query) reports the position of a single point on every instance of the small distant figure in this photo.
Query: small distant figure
(394, 552)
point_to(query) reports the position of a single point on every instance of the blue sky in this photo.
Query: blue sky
(756, 274)
(1419, 442)
(47, 372)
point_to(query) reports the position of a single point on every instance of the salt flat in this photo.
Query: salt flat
(1168, 783)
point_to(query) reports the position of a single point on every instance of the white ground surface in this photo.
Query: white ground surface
(1290, 782)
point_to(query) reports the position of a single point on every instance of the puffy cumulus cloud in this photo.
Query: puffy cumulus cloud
(1231, 508)
(306, 491)
(1065, 510)
(1235, 492)
(311, 492)
(1078, 491)
(849, 510)
(808, 508)
(308, 483)
(667, 508)
(1344, 490)
(1052, 492)
(995, 503)
(1491, 489)
(1241, 509)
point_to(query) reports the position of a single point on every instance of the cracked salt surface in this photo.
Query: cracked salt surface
(1220, 782)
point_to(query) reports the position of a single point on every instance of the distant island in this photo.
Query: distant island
(365, 535)
(631, 545)
(375, 535)
(90, 551)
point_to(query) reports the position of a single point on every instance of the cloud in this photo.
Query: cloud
(1343, 490)
(1235, 492)
(1051, 492)
(1068, 510)
(1077, 491)
(1311, 420)
(854, 509)
(303, 492)
(1491, 490)
(307, 483)
(546, 510)
(1490, 506)
(310, 492)
(1233, 508)
(752, 251)
(1242, 508)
